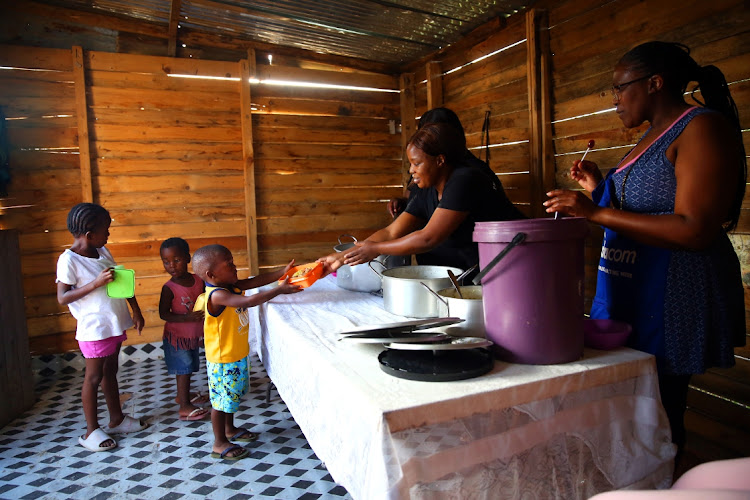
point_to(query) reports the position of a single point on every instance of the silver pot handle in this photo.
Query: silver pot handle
(349, 235)
(436, 295)
(369, 264)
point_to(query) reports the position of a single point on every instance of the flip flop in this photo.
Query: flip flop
(249, 436)
(128, 424)
(196, 414)
(223, 454)
(95, 440)
(199, 399)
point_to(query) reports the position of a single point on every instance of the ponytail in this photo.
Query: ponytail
(715, 92)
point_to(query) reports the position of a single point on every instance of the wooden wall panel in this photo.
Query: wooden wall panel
(326, 161)
(491, 76)
(39, 106)
(166, 159)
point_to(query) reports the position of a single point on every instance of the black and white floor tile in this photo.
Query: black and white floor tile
(40, 457)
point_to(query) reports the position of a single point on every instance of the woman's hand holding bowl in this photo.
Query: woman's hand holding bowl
(331, 262)
(361, 253)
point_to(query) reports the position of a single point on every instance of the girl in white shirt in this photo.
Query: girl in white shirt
(82, 273)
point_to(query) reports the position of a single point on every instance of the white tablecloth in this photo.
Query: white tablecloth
(521, 431)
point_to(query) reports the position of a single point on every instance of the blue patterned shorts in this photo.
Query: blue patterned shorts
(227, 383)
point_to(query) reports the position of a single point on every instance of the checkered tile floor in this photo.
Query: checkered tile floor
(40, 457)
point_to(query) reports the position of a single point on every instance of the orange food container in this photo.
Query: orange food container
(304, 275)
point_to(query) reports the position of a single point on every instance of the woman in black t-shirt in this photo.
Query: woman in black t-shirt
(445, 115)
(448, 199)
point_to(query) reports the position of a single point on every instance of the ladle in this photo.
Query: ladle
(455, 283)
(464, 274)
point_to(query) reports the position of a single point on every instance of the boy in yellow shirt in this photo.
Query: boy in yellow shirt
(225, 334)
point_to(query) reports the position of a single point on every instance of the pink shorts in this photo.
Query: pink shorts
(101, 348)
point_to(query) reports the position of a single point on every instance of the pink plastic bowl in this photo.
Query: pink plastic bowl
(605, 333)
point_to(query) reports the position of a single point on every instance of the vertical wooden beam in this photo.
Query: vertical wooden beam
(16, 384)
(174, 21)
(434, 85)
(247, 70)
(84, 155)
(541, 161)
(408, 122)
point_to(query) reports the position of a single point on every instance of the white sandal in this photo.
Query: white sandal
(95, 440)
(128, 424)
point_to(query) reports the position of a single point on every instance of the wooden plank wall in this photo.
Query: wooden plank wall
(38, 100)
(166, 159)
(587, 38)
(498, 84)
(327, 159)
(16, 381)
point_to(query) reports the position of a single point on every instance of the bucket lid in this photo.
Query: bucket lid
(536, 230)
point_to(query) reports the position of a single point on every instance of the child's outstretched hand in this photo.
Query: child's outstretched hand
(288, 267)
(286, 287)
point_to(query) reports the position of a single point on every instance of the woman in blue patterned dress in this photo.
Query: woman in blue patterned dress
(667, 266)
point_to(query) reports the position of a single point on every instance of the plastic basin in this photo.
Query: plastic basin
(605, 334)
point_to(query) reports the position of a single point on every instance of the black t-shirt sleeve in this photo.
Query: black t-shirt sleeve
(462, 191)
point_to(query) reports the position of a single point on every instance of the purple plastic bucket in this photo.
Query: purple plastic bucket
(533, 297)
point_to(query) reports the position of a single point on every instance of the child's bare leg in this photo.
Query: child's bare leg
(229, 427)
(219, 421)
(183, 397)
(111, 389)
(89, 395)
(183, 390)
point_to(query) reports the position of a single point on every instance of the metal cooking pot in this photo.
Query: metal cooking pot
(404, 294)
(468, 307)
(362, 278)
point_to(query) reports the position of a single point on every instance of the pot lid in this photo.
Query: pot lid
(402, 327)
(403, 337)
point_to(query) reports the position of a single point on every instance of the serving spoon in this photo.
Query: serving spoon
(454, 280)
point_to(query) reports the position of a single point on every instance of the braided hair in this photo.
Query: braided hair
(86, 217)
(673, 62)
(177, 243)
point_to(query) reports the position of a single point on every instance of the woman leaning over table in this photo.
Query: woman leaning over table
(667, 266)
(438, 222)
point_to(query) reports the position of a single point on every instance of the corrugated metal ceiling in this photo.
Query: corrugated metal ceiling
(392, 32)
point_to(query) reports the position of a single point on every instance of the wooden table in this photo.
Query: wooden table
(521, 431)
